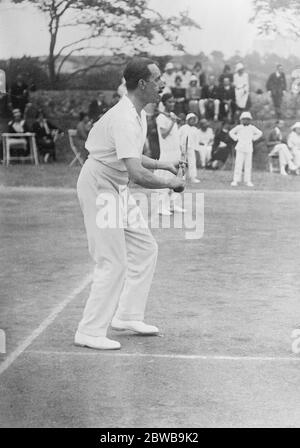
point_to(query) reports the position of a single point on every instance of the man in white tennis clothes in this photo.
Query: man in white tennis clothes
(125, 255)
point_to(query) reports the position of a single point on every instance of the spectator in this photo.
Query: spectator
(226, 95)
(242, 88)
(227, 73)
(30, 114)
(45, 133)
(19, 94)
(188, 134)
(168, 77)
(205, 141)
(294, 143)
(209, 103)
(169, 150)
(122, 89)
(83, 128)
(279, 147)
(244, 134)
(185, 75)
(179, 93)
(193, 95)
(276, 86)
(19, 145)
(98, 107)
(200, 74)
(152, 141)
(222, 146)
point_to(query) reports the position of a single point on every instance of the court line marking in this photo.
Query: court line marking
(43, 326)
(116, 354)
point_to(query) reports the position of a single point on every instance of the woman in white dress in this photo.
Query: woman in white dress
(242, 88)
(294, 143)
(169, 142)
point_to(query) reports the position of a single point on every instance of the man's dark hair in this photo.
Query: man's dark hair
(166, 97)
(136, 69)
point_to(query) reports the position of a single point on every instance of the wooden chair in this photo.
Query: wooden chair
(10, 140)
(273, 163)
(72, 134)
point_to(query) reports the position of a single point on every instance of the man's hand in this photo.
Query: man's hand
(177, 184)
(173, 166)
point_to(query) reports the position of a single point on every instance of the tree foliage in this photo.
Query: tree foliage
(125, 27)
(277, 16)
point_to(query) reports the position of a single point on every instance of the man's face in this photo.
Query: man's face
(100, 97)
(280, 124)
(154, 86)
(280, 69)
(17, 116)
(211, 80)
(246, 121)
(226, 82)
(170, 104)
(192, 121)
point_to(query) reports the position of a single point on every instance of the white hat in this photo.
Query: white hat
(169, 66)
(245, 115)
(189, 116)
(296, 125)
(239, 67)
(193, 78)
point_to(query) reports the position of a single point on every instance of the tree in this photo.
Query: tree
(277, 16)
(124, 26)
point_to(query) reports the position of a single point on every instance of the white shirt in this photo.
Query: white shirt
(245, 136)
(169, 146)
(205, 138)
(294, 141)
(118, 134)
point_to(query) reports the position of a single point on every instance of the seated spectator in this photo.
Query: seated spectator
(205, 141)
(185, 75)
(226, 95)
(83, 128)
(188, 134)
(294, 143)
(179, 93)
(19, 94)
(222, 146)
(279, 147)
(209, 103)
(168, 77)
(98, 107)
(115, 99)
(227, 73)
(200, 74)
(193, 95)
(19, 146)
(45, 134)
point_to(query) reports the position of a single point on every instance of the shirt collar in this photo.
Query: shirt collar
(131, 106)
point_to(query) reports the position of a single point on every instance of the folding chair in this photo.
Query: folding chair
(272, 158)
(72, 134)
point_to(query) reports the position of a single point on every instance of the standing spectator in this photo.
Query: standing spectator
(205, 141)
(83, 128)
(30, 114)
(45, 133)
(222, 146)
(193, 95)
(98, 107)
(226, 95)
(169, 150)
(294, 143)
(244, 134)
(227, 73)
(242, 88)
(152, 141)
(17, 125)
(200, 74)
(209, 103)
(188, 134)
(168, 77)
(179, 94)
(185, 75)
(19, 94)
(279, 147)
(276, 86)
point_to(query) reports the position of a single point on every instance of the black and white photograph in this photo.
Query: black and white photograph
(149, 217)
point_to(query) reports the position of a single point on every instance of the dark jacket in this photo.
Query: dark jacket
(41, 132)
(209, 92)
(226, 94)
(276, 84)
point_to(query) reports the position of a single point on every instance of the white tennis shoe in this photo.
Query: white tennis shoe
(96, 342)
(134, 325)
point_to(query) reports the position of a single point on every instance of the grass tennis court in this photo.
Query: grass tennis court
(226, 306)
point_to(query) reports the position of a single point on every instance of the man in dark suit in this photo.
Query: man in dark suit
(19, 94)
(226, 95)
(45, 134)
(98, 107)
(209, 103)
(276, 86)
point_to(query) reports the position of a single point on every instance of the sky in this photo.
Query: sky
(225, 27)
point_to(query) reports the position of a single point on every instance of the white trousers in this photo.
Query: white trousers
(125, 257)
(285, 156)
(192, 169)
(205, 154)
(243, 161)
(202, 107)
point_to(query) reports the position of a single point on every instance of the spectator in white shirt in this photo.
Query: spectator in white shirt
(205, 142)
(294, 143)
(242, 87)
(244, 134)
(188, 134)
